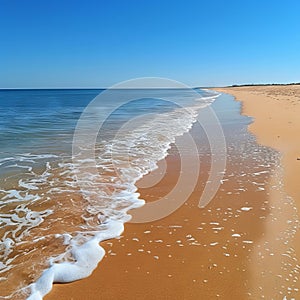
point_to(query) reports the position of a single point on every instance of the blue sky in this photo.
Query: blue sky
(71, 43)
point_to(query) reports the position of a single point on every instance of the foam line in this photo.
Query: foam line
(87, 257)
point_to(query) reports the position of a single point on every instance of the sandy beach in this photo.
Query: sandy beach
(149, 150)
(276, 111)
(241, 246)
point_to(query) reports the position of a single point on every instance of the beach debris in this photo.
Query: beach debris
(298, 158)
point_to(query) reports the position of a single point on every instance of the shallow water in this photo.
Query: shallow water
(53, 207)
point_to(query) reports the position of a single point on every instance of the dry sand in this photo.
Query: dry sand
(276, 113)
(221, 251)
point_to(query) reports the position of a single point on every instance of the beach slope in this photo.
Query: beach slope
(276, 113)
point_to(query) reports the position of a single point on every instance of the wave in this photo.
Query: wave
(108, 195)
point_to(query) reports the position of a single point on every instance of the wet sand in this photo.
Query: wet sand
(240, 246)
(276, 112)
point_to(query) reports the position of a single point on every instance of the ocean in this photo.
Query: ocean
(69, 163)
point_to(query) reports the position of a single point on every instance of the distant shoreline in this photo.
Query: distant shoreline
(264, 84)
(162, 88)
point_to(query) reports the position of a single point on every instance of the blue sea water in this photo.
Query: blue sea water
(30, 119)
(43, 121)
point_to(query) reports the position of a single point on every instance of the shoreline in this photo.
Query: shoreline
(275, 128)
(276, 123)
(212, 253)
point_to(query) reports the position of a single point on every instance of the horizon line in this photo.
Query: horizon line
(136, 88)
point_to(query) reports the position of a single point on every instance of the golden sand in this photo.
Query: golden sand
(222, 251)
(276, 112)
(188, 255)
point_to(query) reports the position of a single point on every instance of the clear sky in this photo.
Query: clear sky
(72, 43)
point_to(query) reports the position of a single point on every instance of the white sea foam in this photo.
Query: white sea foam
(245, 208)
(87, 256)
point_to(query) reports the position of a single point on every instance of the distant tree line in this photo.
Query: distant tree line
(264, 84)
